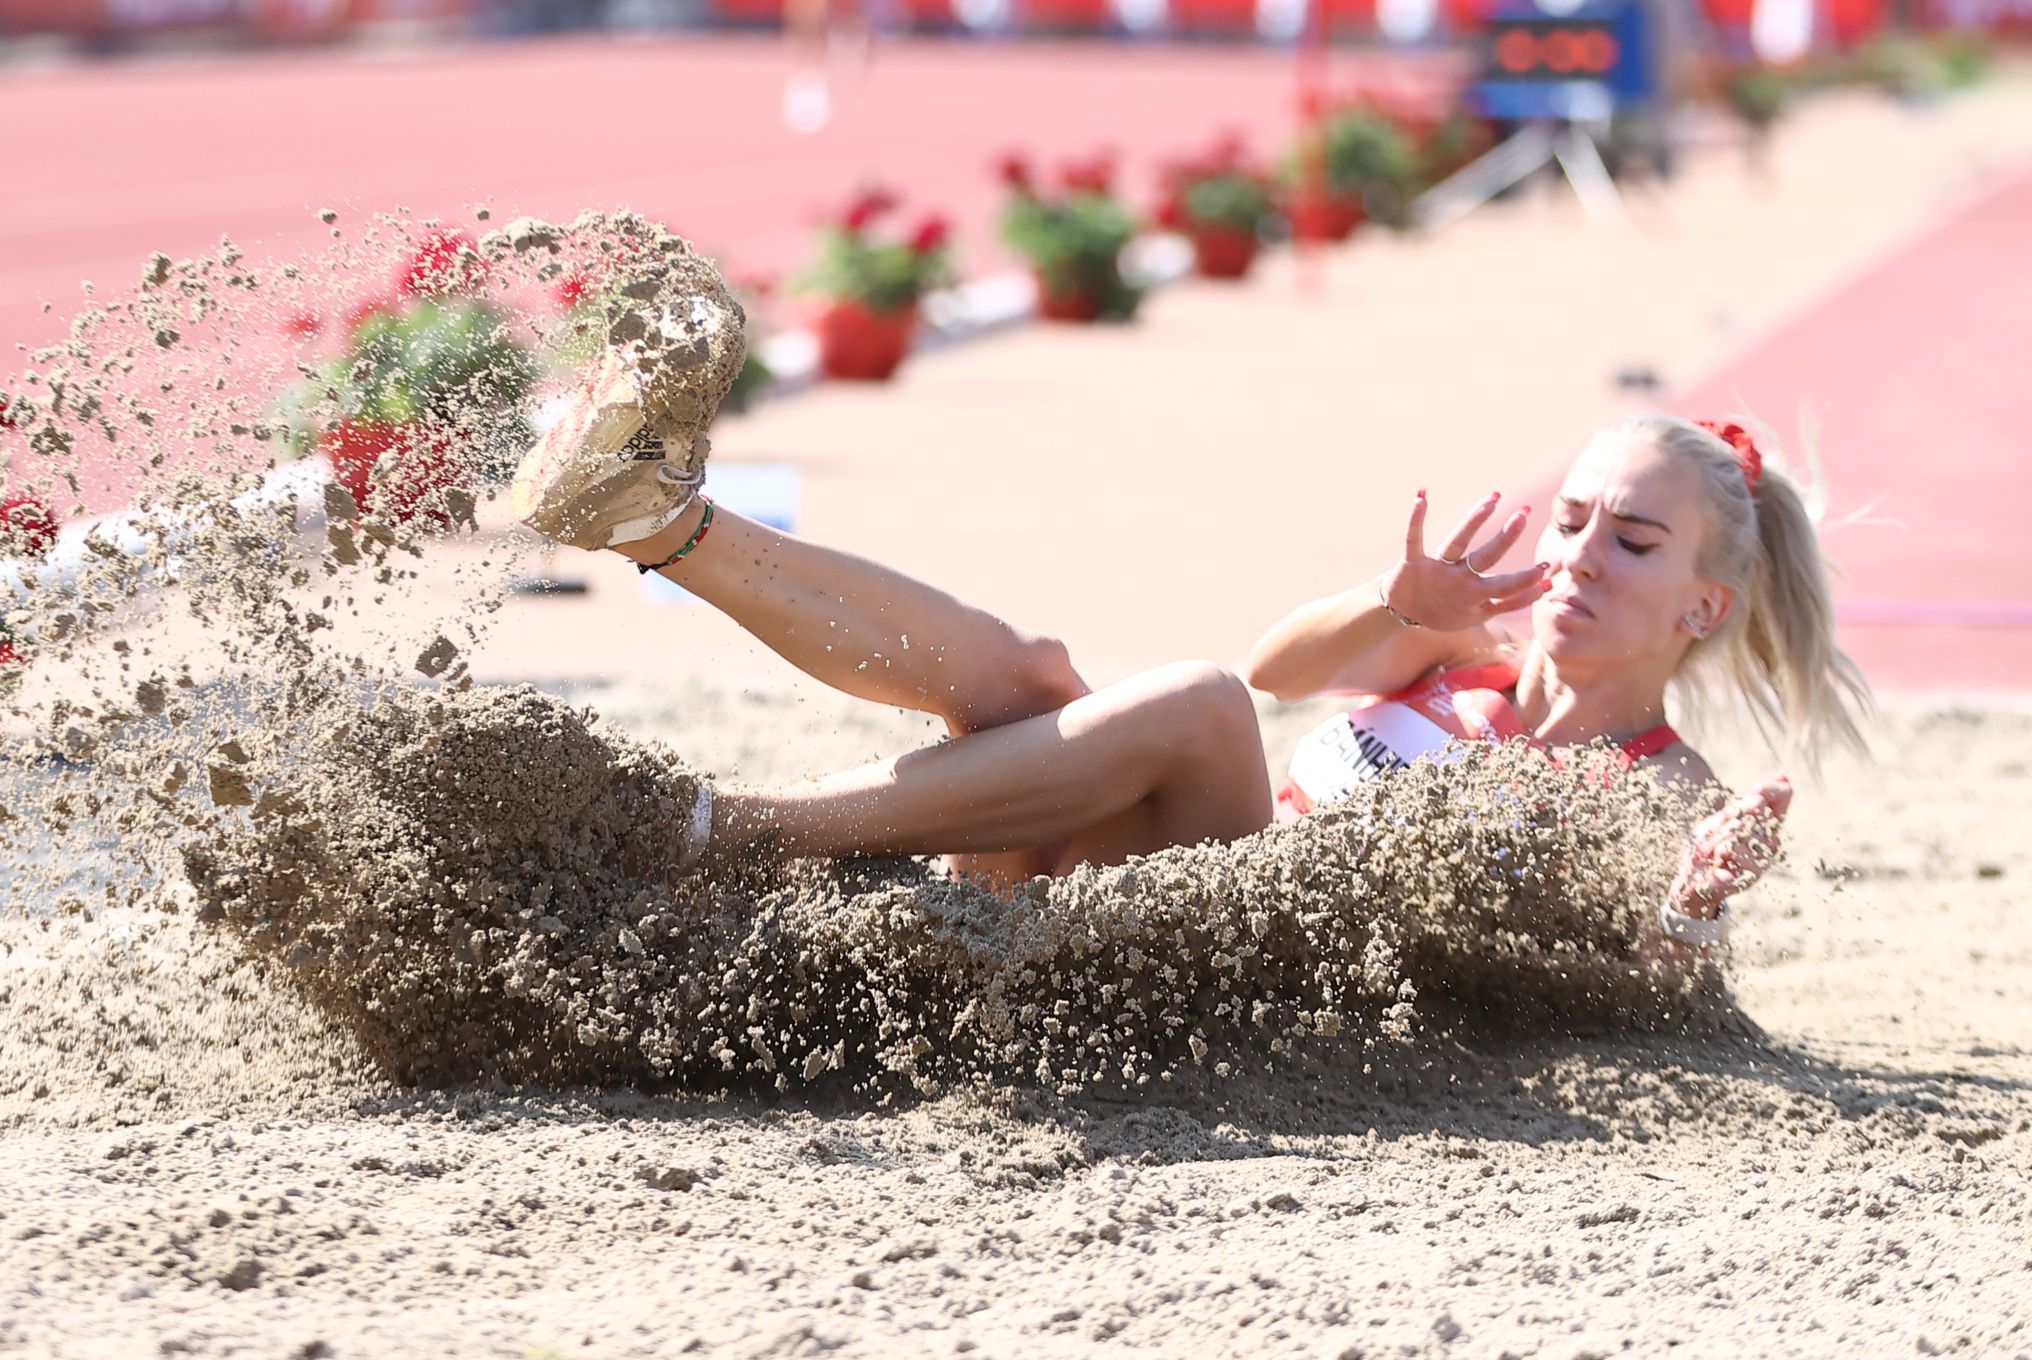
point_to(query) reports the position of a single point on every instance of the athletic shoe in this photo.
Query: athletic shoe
(630, 451)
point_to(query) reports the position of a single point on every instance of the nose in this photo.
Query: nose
(1583, 550)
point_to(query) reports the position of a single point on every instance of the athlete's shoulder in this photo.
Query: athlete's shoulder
(1683, 770)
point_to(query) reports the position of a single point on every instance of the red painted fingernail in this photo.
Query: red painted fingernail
(1421, 493)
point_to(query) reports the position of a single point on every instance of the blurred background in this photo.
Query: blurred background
(1366, 244)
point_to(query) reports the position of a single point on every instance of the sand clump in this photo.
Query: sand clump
(478, 885)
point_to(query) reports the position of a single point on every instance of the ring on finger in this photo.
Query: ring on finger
(1461, 561)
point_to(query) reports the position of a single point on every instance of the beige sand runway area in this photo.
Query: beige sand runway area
(201, 1158)
(1849, 1180)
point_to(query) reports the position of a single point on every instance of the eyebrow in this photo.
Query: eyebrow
(1661, 527)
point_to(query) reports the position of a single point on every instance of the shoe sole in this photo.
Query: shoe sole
(583, 482)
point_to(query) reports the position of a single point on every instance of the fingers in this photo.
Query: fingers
(1530, 582)
(1464, 533)
(1776, 796)
(1414, 532)
(1491, 552)
(1515, 600)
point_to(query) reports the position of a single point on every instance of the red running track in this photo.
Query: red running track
(109, 163)
(1916, 373)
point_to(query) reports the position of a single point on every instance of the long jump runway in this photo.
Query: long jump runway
(1918, 374)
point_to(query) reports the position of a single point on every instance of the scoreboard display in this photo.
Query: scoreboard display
(1585, 61)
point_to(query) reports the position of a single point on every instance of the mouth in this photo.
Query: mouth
(1569, 604)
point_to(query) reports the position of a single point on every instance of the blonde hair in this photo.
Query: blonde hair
(1776, 648)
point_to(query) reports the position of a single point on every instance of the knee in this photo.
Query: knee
(1210, 708)
(1045, 674)
(1033, 675)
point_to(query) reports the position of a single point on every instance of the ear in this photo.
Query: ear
(1710, 610)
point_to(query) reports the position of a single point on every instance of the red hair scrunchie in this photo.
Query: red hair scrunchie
(1747, 453)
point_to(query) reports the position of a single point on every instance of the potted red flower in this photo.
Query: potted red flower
(1356, 162)
(1073, 239)
(875, 283)
(1220, 202)
(428, 387)
(28, 530)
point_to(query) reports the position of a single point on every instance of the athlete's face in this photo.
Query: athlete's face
(1624, 542)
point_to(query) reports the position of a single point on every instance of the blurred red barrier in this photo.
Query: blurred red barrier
(294, 20)
(1466, 16)
(72, 17)
(1213, 16)
(1851, 21)
(1077, 16)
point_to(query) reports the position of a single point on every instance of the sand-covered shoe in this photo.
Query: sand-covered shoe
(630, 451)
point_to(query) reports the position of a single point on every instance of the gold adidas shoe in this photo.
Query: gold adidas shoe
(630, 451)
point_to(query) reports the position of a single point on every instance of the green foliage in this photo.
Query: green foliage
(1964, 57)
(1370, 155)
(1919, 67)
(442, 360)
(882, 275)
(1226, 198)
(1458, 139)
(447, 360)
(1759, 95)
(748, 383)
(1075, 243)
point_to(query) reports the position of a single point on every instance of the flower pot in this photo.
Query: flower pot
(860, 344)
(1075, 304)
(412, 484)
(1223, 252)
(1323, 215)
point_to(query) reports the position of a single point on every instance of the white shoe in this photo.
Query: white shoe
(807, 102)
(630, 451)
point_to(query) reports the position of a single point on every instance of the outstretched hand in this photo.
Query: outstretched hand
(1449, 592)
(1732, 849)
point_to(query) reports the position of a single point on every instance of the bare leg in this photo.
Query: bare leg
(866, 629)
(1043, 773)
(1172, 756)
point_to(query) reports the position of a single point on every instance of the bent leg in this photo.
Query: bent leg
(1172, 756)
(864, 628)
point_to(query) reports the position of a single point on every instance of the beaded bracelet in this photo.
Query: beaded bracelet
(698, 536)
(1390, 609)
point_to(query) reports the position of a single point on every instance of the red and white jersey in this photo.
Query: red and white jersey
(1388, 733)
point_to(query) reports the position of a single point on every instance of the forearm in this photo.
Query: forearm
(1305, 651)
(1350, 643)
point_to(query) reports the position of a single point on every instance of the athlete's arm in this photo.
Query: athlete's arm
(1387, 632)
(1726, 852)
(1349, 644)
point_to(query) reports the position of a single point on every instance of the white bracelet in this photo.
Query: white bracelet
(1704, 931)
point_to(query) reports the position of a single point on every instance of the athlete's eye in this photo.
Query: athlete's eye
(1568, 530)
(1636, 549)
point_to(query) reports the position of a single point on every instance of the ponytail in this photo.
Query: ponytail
(1776, 650)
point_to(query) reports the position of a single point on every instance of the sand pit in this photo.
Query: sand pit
(352, 1011)
(1840, 1167)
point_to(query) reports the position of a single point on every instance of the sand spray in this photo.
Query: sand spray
(264, 838)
